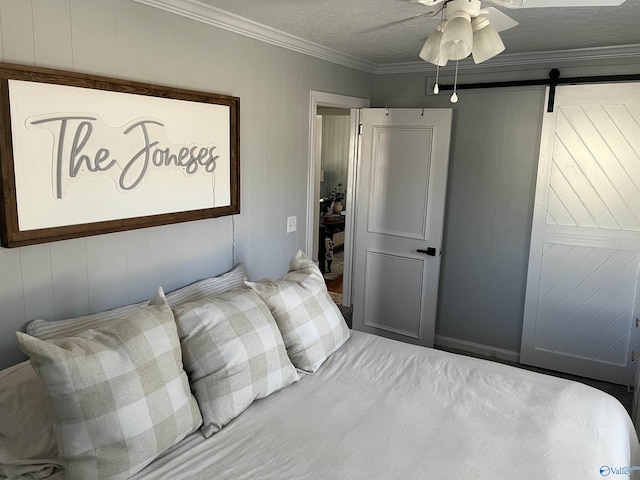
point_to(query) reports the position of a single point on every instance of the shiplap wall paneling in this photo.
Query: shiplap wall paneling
(52, 34)
(293, 186)
(274, 226)
(37, 275)
(17, 32)
(12, 301)
(336, 130)
(94, 36)
(106, 270)
(129, 40)
(69, 278)
(489, 202)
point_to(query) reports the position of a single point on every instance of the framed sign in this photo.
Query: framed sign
(84, 155)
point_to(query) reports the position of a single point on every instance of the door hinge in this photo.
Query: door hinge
(360, 129)
(634, 355)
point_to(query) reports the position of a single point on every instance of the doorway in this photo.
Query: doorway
(402, 179)
(321, 102)
(333, 130)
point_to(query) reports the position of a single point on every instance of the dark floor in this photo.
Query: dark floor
(622, 393)
(334, 285)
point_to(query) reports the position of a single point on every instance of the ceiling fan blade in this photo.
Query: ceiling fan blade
(500, 21)
(428, 14)
(556, 3)
(428, 3)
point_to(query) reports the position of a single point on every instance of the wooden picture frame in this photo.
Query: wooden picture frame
(84, 155)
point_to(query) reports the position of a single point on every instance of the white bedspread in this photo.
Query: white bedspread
(379, 409)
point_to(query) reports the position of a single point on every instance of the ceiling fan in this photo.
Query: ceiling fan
(466, 28)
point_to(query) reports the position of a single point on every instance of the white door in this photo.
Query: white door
(401, 186)
(581, 306)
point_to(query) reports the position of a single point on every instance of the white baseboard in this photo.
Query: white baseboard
(478, 348)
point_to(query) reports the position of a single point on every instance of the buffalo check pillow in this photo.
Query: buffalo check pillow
(117, 395)
(311, 323)
(233, 354)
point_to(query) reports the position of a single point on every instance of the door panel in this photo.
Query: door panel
(393, 306)
(401, 185)
(395, 169)
(582, 288)
(585, 157)
(586, 303)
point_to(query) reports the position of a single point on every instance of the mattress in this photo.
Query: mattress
(381, 409)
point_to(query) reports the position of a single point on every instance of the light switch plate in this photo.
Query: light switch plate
(291, 224)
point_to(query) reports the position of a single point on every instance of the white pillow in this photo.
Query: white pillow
(233, 353)
(117, 395)
(46, 329)
(310, 322)
(28, 447)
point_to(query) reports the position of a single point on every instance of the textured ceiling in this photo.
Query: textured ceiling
(351, 26)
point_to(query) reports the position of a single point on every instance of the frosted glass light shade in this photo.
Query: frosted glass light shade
(431, 51)
(486, 41)
(457, 38)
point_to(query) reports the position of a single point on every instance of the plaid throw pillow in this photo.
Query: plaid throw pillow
(310, 322)
(117, 395)
(233, 353)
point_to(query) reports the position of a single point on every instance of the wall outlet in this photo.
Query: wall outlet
(291, 224)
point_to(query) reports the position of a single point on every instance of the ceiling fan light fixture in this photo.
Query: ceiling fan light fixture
(486, 40)
(457, 38)
(431, 51)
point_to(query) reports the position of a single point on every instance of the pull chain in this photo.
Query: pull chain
(454, 96)
(436, 88)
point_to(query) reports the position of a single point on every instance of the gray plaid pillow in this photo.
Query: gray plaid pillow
(310, 322)
(233, 354)
(117, 395)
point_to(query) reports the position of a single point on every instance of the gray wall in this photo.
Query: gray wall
(124, 39)
(490, 193)
(491, 187)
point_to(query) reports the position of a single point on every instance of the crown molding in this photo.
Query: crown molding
(234, 23)
(216, 17)
(521, 59)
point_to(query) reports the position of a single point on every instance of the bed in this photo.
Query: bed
(377, 408)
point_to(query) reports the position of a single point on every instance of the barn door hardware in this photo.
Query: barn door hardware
(553, 81)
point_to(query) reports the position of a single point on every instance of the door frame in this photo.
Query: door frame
(324, 99)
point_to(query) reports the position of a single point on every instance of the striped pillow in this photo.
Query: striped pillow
(117, 395)
(46, 329)
(233, 354)
(310, 322)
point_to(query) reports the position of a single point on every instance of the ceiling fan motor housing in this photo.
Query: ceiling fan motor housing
(455, 8)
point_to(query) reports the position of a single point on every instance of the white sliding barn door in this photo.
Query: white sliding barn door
(402, 177)
(582, 293)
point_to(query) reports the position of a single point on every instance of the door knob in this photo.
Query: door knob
(431, 251)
